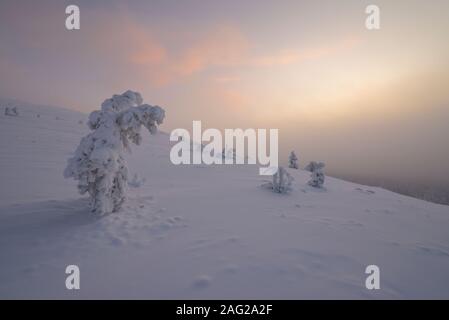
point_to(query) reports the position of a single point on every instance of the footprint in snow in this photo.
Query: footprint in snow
(365, 191)
(202, 281)
(168, 223)
(433, 250)
(354, 223)
(231, 268)
(30, 269)
(117, 242)
(233, 239)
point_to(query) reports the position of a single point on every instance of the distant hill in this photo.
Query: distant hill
(203, 231)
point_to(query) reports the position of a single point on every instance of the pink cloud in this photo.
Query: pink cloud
(118, 49)
(221, 47)
(224, 46)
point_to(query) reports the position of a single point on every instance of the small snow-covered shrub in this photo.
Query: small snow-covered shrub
(316, 179)
(282, 182)
(313, 166)
(13, 112)
(99, 164)
(317, 176)
(293, 161)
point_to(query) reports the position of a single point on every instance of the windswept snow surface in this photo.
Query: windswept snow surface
(203, 231)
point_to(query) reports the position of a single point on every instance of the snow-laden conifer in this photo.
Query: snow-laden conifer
(99, 164)
(317, 176)
(293, 161)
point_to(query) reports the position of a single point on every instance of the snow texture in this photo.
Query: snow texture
(203, 232)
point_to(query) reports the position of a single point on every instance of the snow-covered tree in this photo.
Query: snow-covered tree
(313, 166)
(317, 176)
(317, 179)
(99, 164)
(293, 161)
(282, 181)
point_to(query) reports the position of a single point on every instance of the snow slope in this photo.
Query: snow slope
(203, 231)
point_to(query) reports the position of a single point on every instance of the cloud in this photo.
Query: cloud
(224, 46)
(221, 47)
(294, 56)
(115, 51)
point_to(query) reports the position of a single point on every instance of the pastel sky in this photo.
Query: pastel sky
(363, 101)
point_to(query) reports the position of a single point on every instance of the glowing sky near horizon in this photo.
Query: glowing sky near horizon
(362, 101)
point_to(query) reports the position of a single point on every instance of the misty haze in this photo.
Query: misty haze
(357, 99)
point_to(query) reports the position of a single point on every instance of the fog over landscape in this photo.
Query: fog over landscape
(111, 186)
